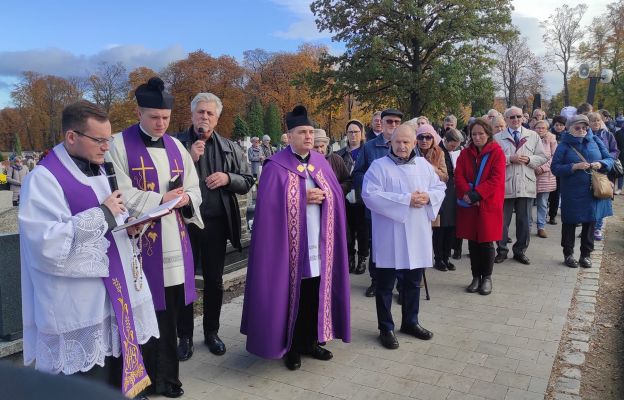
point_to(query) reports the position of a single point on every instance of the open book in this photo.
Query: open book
(154, 213)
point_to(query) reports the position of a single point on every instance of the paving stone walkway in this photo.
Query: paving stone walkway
(500, 346)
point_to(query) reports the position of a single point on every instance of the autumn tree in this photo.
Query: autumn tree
(518, 71)
(412, 54)
(109, 84)
(200, 72)
(563, 32)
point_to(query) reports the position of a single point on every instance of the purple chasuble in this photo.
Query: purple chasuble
(144, 177)
(278, 256)
(134, 375)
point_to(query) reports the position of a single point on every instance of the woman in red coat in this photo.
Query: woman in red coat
(480, 205)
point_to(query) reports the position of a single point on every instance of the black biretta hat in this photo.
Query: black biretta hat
(152, 95)
(298, 117)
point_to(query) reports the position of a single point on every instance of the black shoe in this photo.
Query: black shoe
(456, 255)
(521, 258)
(173, 392)
(319, 353)
(449, 265)
(292, 359)
(351, 264)
(509, 240)
(585, 262)
(185, 349)
(214, 343)
(500, 258)
(486, 286)
(474, 285)
(361, 265)
(552, 221)
(388, 340)
(141, 396)
(439, 265)
(371, 290)
(417, 331)
(571, 262)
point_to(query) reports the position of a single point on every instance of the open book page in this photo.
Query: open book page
(151, 215)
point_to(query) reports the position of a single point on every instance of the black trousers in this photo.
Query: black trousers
(523, 207)
(443, 241)
(411, 297)
(568, 237)
(481, 258)
(109, 374)
(305, 334)
(160, 355)
(553, 201)
(372, 268)
(209, 246)
(358, 230)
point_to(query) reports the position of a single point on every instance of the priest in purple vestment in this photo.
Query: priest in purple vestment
(297, 290)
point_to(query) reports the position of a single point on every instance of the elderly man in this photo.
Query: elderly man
(374, 149)
(81, 283)
(266, 147)
(404, 194)
(283, 142)
(223, 174)
(16, 174)
(321, 142)
(297, 290)
(523, 152)
(376, 127)
(153, 168)
(255, 156)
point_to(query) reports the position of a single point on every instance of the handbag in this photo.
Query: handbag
(600, 183)
(461, 202)
(617, 170)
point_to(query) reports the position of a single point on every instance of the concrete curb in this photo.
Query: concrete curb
(577, 333)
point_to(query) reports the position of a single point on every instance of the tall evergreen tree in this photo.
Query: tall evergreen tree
(273, 123)
(240, 128)
(255, 119)
(17, 145)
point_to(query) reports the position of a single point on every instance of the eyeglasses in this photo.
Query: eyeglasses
(392, 121)
(423, 137)
(100, 141)
(353, 132)
(580, 127)
(515, 116)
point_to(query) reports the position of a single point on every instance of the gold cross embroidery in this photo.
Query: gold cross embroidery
(143, 169)
(177, 170)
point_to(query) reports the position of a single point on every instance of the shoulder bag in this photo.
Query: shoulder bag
(600, 184)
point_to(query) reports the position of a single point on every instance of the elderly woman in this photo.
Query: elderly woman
(599, 129)
(15, 177)
(577, 156)
(480, 190)
(255, 155)
(545, 180)
(422, 120)
(498, 124)
(357, 225)
(444, 235)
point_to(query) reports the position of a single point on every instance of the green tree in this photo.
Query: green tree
(17, 145)
(417, 55)
(240, 128)
(255, 119)
(273, 123)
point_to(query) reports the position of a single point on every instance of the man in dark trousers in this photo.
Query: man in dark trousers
(223, 173)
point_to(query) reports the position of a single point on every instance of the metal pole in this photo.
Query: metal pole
(591, 92)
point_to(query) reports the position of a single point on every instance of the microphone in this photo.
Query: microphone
(202, 131)
(109, 170)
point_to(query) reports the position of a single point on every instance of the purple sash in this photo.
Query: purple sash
(144, 177)
(134, 375)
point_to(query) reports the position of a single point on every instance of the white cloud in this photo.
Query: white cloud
(303, 27)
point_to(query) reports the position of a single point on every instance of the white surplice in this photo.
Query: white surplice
(69, 322)
(139, 201)
(402, 234)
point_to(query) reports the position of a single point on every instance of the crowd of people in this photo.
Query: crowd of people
(111, 298)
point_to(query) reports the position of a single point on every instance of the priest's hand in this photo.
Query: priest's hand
(197, 150)
(185, 200)
(419, 199)
(172, 194)
(217, 180)
(315, 196)
(133, 231)
(114, 203)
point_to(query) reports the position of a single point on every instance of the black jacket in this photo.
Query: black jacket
(448, 210)
(237, 168)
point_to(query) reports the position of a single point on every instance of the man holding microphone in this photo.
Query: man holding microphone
(223, 173)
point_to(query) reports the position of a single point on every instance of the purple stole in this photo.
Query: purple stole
(144, 177)
(134, 375)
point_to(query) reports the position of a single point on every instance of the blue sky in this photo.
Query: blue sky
(70, 37)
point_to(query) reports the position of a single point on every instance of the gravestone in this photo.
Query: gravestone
(6, 200)
(10, 288)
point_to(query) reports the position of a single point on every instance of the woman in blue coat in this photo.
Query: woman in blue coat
(578, 204)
